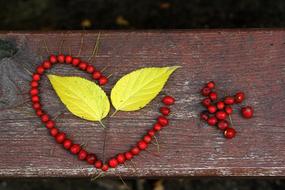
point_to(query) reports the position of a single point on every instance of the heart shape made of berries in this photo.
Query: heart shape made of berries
(67, 143)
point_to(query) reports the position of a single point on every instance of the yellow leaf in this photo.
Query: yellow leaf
(82, 97)
(136, 89)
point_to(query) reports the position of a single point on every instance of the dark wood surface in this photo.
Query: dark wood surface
(249, 60)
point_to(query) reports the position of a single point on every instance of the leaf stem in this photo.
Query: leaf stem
(102, 124)
(114, 113)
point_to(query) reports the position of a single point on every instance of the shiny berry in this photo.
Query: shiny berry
(135, 151)
(220, 105)
(228, 110)
(211, 84)
(82, 66)
(44, 118)
(239, 97)
(212, 120)
(157, 127)
(53, 132)
(75, 61)
(75, 148)
(34, 84)
(147, 138)
(98, 164)
(162, 120)
(212, 109)
(230, 133)
(67, 144)
(91, 158)
(206, 102)
(35, 98)
(50, 124)
(39, 112)
(168, 100)
(36, 77)
(36, 106)
(34, 91)
(46, 64)
(229, 100)
(60, 137)
(142, 145)
(113, 162)
(151, 132)
(90, 69)
(213, 96)
(68, 59)
(221, 115)
(103, 80)
(61, 58)
(223, 124)
(96, 75)
(121, 158)
(105, 167)
(53, 59)
(204, 116)
(129, 155)
(205, 91)
(40, 70)
(165, 111)
(247, 112)
(82, 155)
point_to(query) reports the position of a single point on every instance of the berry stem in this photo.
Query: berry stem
(157, 144)
(97, 176)
(104, 144)
(101, 123)
(95, 49)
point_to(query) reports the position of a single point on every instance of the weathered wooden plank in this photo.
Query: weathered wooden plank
(248, 60)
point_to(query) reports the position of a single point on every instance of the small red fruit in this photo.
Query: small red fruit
(151, 132)
(135, 151)
(35, 99)
(61, 58)
(34, 84)
(90, 69)
(142, 145)
(82, 155)
(157, 127)
(34, 91)
(75, 61)
(60, 137)
(105, 167)
(229, 100)
(147, 138)
(168, 100)
(129, 155)
(228, 110)
(205, 91)
(204, 115)
(220, 105)
(247, 112)
(91, 158)
(39, 112)
(50, 124)
(82, 66)
(36, 77)
(165, 111)
(212, 120)
(68, 59)
(40, 70)
(206, 102)
(46, 64)
(36, 106)
(223, 124)
(239, 97)
(221, 115)
(44, 118)
(162, 120)
(211, 84)
(113, 162)
(212, 109)
(53, 132)
(96, 75)
(230, 133)
(213, 96)
(67, 144)
(53, 59)
(98, 164)
(74, 149)
(121, 158)
(103, 80)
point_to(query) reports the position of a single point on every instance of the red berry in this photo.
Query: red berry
(36, 77)
(157, 127)
(247, 112)
(104, 167)
(129, 155)
(206, 102)
(96, 75)
(213, 96)
(82, 155)
(36, 106)
(91, 158)
(220, 105)
(212, 109)
(151, 132)
(113, 162)
(90, 69)
(75, 61)
(103, 80)
(40, 70)
(34, 84)
(162, 120)
(98, 164)
(53, 59)
(45, 118)
(211, 84)
(35, 98)
(39, 113)
(165, 111)
(75, 148)
(50, 124)
(223, 124)
(142, 145)
(135, 151)
(61, 58)
(229, 100)
(34, 91)
(68, 59)
(53, 132)
(228, 110)
(46, 65)
(121, 158)
(212, 120)
(221, 115)
(147, 138)
(67, 144)
(82, 66)
(204, 115)
(205, 91)
(230, 133)
(168, 100)
(60, 137)
(239, 97)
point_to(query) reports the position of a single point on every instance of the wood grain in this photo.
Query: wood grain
(249, 60)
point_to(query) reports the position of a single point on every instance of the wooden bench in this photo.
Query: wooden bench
(249, 60)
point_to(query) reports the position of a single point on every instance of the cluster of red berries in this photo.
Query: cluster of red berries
(218, 110)
(76, 149)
